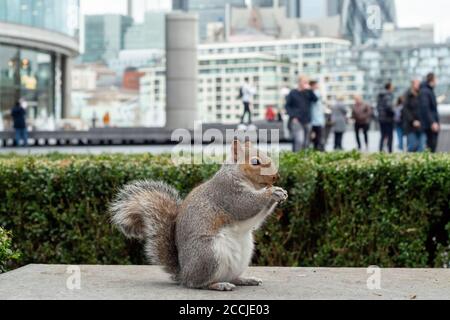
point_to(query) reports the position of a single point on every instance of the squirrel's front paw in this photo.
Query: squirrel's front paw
(279, 194)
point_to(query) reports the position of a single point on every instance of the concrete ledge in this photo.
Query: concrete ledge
(149, 282)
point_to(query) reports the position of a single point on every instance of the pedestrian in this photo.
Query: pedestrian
(385, 108)
(328, 124)
(107, 120)
(317, 118)
(412, 124)
(429, 111)
(19, 114)
(246, 95)
(270, 114)
(398, 121)
(339, 118)
(94, 120)
(362, 115)
(298, 107)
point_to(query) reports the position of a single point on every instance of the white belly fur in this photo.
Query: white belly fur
(233, 247)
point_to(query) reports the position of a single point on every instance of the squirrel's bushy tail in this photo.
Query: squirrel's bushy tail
(147, 210)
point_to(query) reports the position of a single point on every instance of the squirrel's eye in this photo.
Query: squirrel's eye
(255, 162)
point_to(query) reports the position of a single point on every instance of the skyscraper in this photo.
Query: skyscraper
(334, 7)
(310, 9)
(264, 3)
(106, 36)
(363, 20)
(208, 10)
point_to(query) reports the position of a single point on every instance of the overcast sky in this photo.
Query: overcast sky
(410, 12)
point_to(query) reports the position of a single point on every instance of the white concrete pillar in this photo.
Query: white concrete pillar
(181, 70)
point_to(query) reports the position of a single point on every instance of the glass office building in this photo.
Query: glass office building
(208, 10)
(106, 36)
(56, 15)
(38, 39)
(359, 19)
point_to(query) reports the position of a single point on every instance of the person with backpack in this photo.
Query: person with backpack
(362, 114)
(385, 108)
(246, 94)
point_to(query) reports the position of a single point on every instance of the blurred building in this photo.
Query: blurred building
(209, 11)
(147, 35)
(250, 24)
(131, 79)
(399, 65)
(38, 40)
(395, 37)
(152, 97)
(363, 20)
(105, 36)
(222, 75)
(136, 58)
(264, 3)
(90, 76)
(220, 78)
(122, 106)
(270, 65)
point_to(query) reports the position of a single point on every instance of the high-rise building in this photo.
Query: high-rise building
(310, 9)
(313, 9)
(334, 7)
(208, 10)
(147, 35)
(37, 45)
(106, 36)
(264, 3)
(413, 36)
(363, 20)
(292, 7)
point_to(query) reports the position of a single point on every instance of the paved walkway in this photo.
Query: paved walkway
(149, 282)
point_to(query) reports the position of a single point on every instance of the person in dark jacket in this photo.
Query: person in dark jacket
(362, 114)
(429, 112)
(19, 114)
(386, 115)
(412, 125)
(398, 121)
(298, 107)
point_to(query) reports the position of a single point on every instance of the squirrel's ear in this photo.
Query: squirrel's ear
(236, 150)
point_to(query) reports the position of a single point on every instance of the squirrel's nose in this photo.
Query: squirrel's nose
(276, 177)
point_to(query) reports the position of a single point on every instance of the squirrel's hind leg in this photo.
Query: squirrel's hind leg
(221, 286)
(247, 282)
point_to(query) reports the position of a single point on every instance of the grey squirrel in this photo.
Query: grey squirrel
(205, 241)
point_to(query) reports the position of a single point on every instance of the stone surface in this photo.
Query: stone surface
(149, 282)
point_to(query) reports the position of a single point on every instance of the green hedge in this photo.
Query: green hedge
(7, 255)
(344, 209)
